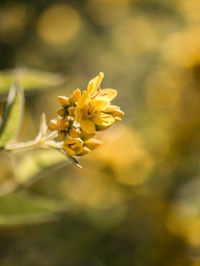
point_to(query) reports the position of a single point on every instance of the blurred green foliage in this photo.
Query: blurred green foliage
(12, 115)
(136, 200)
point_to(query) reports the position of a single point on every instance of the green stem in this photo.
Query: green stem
(22, 146)
(39, 142)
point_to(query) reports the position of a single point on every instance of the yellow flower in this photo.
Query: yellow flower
(73, 146)
(91, 105)
(83, 114)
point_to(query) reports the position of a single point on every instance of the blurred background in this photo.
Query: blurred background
(136, 201)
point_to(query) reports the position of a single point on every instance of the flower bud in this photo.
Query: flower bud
(73, 146)
(84, 151)
(71, 110)
(75, 95)
(114, 110)
(53, 124)
(118, 112)
(85, 136)
(70, 119)
(73, 132)
(62, 123)
(101, 127)
(62, 112)
(117, 119)
(93, 143)
(62, 134)
(64, 101)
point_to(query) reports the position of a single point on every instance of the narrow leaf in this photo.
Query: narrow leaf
(30, 79)
(43, 127)
(20, 209)
(37, 163)
(12, 115)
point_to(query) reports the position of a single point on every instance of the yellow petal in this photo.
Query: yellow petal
(114, 110)
(104, 119)
(108, 94)
(87, 126)
(111, 108)
(99, 104)
(83, 100)
(94, 84)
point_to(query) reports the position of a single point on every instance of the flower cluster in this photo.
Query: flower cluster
(81, 115)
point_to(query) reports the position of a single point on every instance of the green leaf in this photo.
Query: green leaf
(17, 209)
(37, 163)
(30, 79)
(12, 115)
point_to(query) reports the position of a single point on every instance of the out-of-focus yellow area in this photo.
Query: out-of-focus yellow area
(58, 24)
(136, 200)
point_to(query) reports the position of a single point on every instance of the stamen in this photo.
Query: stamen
(97, 93)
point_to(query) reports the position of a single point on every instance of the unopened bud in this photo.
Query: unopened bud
(93, 143)
(118, 112)
(62, 112)
(64, 101)
(73, 146)
(101, 127)
(53, 124)
(62, 123)
(114, 110)
(70, 119)
(85, 136)
(73, 132)
(117, 119)
(84, 151)
(62, 134)
(71, 110)
(75, 95)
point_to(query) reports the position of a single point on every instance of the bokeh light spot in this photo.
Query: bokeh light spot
(13, 19)
(59, 24)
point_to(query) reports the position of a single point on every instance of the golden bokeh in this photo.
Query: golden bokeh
(59, 24)
(190, 9)
(139, 36)
(13, 21)
(136, 199)
(184, 217)
(162, 89)
(183, 48)
(124, 153)
(108, 12)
